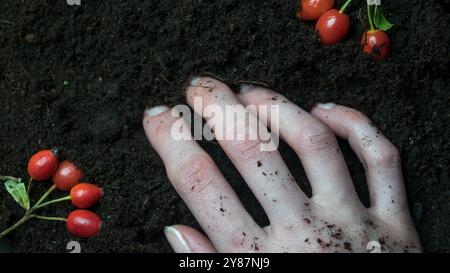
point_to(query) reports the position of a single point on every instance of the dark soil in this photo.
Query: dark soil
(120, 56)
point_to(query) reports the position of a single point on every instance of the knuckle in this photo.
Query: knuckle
(237, 240)
(242, 240)
(316, 138)
(205, 86)
(196, 174)
(387, 157)
(275, 98)
(356, 116)
(248, 150)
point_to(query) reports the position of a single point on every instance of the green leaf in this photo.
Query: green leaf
(380, 20)
(18, 191)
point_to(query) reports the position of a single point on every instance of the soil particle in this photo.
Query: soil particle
(256, 244)
(336, 235)
(29, 38)
(348, 246)
(370, 223)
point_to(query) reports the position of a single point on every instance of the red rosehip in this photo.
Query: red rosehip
(377, 44)
(332, 27)
(43, 165)
(85, 195)
(312, 9)
(67, 175)
(83, 223)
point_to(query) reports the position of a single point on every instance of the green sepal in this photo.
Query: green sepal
(18, 191)
(380, 21)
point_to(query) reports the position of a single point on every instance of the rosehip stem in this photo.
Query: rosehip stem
(48, 218)
(345, 6)
(29, 213)
(29, 185)
(25, 218)
(44, 196)
(369, 16)
(53, 201)
(7, 178)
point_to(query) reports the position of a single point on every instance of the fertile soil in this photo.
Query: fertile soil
(79, 78)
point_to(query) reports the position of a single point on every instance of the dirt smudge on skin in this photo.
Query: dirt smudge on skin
(348, 246)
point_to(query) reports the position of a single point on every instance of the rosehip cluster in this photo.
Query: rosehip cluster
(66, 176)
(333, 25)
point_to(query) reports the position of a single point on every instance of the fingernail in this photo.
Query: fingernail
(326, 106)
(244, 88)
(176, 240)
(195, 80)
(154, 111)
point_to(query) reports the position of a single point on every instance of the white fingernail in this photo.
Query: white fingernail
(326, 106)
(244, 88)
(195, 80)
(154, 111)
(176, 240)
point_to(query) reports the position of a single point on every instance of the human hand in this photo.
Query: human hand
(332, 220)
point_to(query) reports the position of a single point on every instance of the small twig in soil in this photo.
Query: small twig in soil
(7, 22)
(162, 63)
(229, 22)
(360, 17)
(164, 78)
(417, 82)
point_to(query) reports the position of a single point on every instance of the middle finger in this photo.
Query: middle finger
(264, 171)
